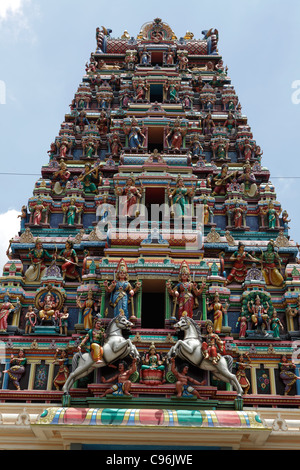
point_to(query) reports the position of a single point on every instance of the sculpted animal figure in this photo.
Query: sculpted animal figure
(190, 349)
(115, 347)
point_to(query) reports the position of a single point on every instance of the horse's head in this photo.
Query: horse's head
(183, 323)
(122, 322)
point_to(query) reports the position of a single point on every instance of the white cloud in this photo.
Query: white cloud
(10, 6)
(9, 227)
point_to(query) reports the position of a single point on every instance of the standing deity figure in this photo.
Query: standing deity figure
(269, 259)
(89, 306)
(272, 215)
(243, 322)
(115, 144)
(275, 325)
(63, 370)
(61, 319)
(37, 211)
(218, 310)
(259, 314)
(129, 206)
(180, 197)
(121, 291)
(6, 308)
(239, 270)
(69, 267)
(185, 292)
(136, 137)
(17, 368)
(30, 320)
(72, 210)
(213, 347)
(287, 374)
(38, 256)
(208, 124)
(174, 137)
(243, 362)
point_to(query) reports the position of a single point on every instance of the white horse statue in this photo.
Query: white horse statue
(190, 350)
(115, 347)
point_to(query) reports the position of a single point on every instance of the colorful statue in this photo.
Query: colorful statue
(89, 306)
(136, 138)
(221, 181)
(6, 308)
(17, 368)
(239, 270)
(72, 210)
(90, 179)
(131, 206)
(37, 211)
(49, 304)
(272, 215)
(30, 320)
(69, 267)
(243, 362)
(94, 340)
(174, 137)
(121, 291)
(180, 197)
(63, 370)
(247, 181)
(60, 178)
(259, 314)
(38, 256)
(152, 369)
(183, 389)
(185, 293)
(115, 144)
(219, 312)
(275, 325)
(269, 260)
(61, 319)
(243, 322)
(213, 347)
(23, 217)
(286, 373)
(123, 385)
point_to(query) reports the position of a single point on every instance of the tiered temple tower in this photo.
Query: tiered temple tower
(156, 180)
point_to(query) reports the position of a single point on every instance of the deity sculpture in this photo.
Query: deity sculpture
(63, 370)
(243, 362)
(121, 291)
(275, 325)
(286, 374)
(60, 178)
(152, 369)
(30, 320)
(269, 259)
(61, 319)
(69, 267)
(259, 314)
(89, 306)
(180, 198)
(38, 210)
(183, 389)
(123, 385)
(218, 310)
(94, 340)
(49, 304)
(115, 144)
(213, 347)
(185, 292)
(136, 138)
(174, 137)
(239, 270)
(272, 215)
(6, 308)
(243, 323)
(90, 179)
(208, 124)
(248, 182)
(129, 204)
(17, 368)
(221, 180)
(38, 256)
(71, 211)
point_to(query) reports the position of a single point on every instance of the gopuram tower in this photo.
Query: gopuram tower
(153, 269)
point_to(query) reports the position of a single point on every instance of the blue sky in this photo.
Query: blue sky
(44, 47)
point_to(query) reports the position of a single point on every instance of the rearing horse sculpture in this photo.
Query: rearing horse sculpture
(115, 347)
(190, 349)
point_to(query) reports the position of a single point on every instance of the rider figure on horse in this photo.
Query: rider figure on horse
(94, 340)
(213, 346)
